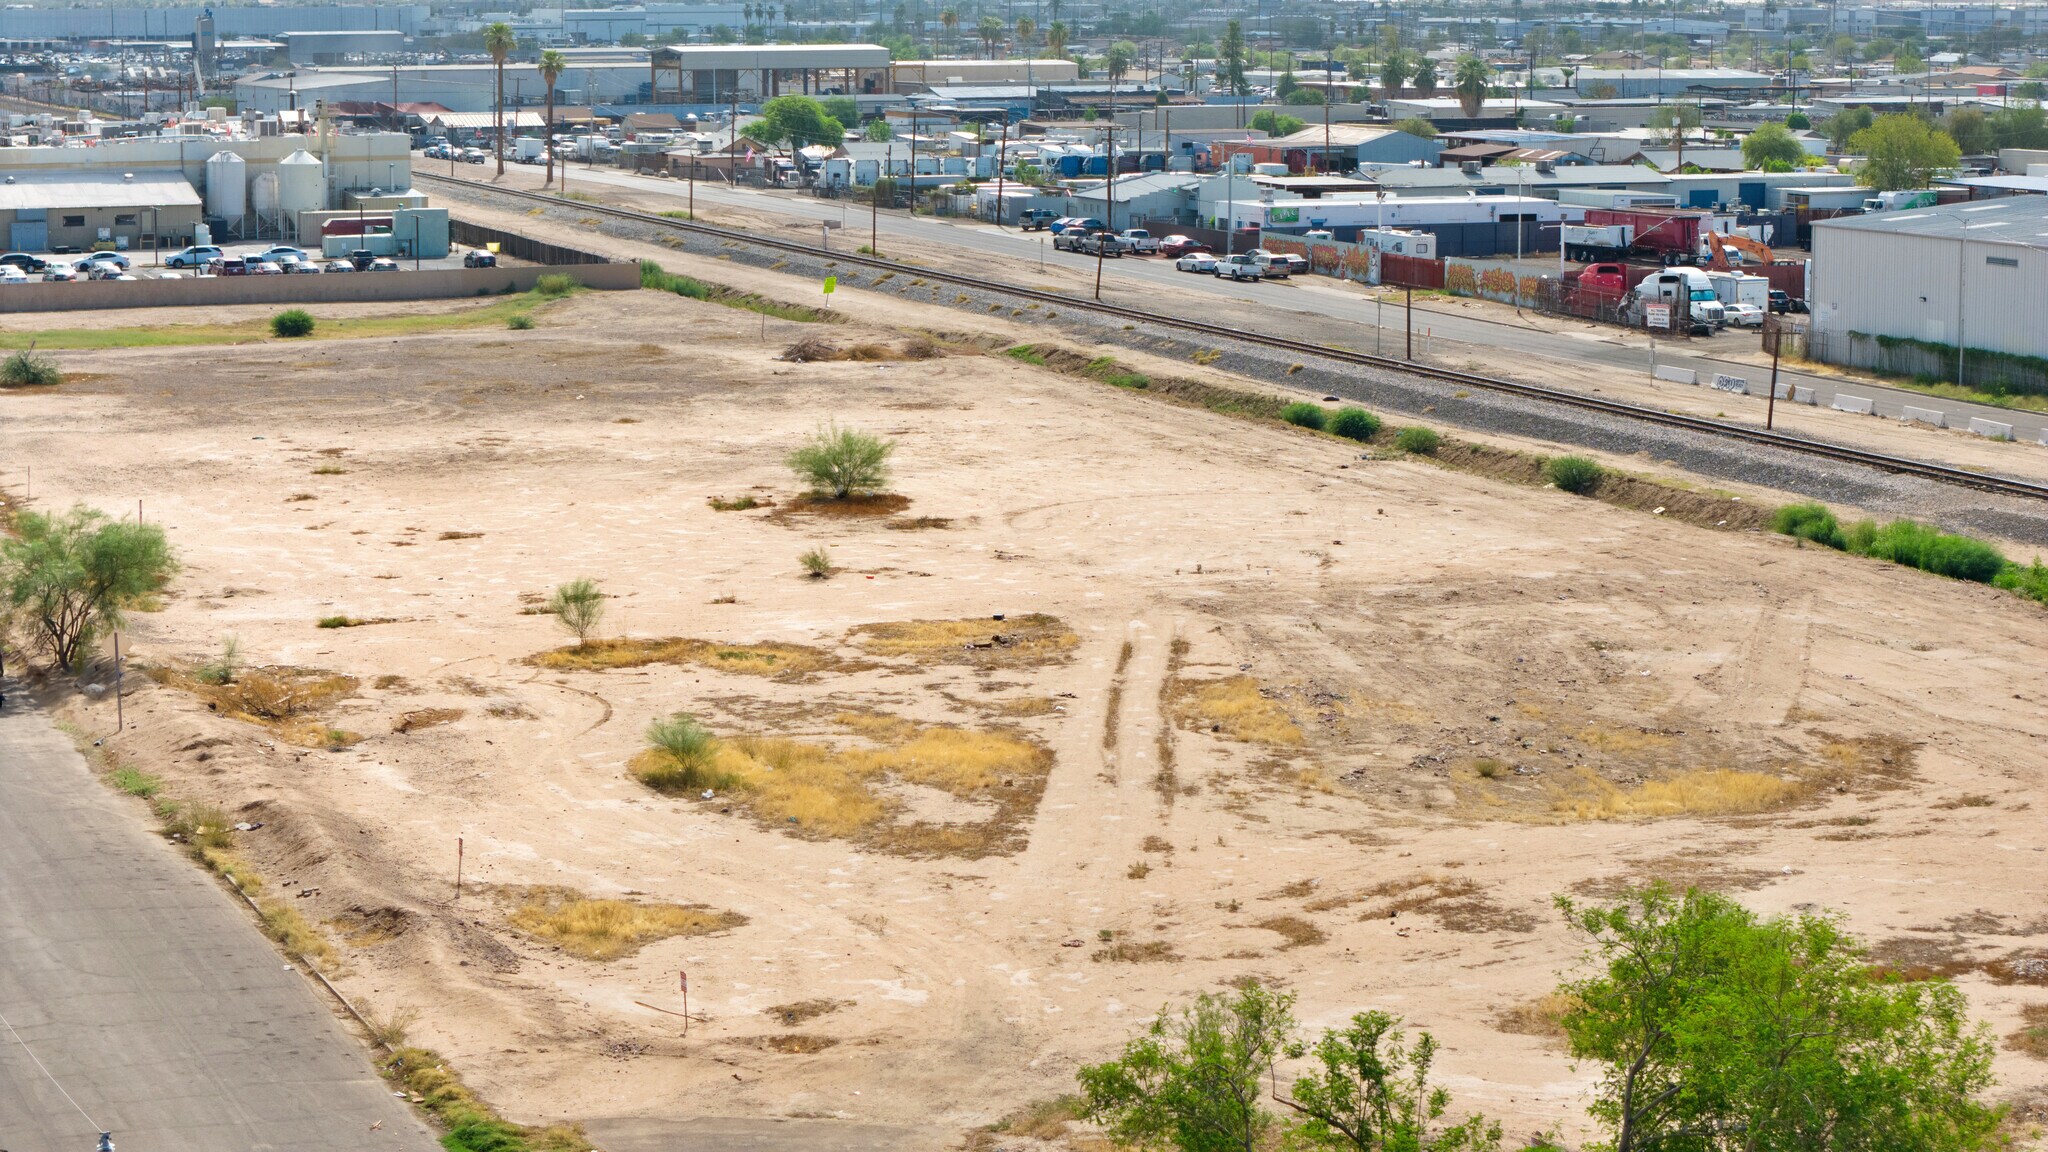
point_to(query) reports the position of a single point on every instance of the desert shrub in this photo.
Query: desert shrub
(1421, 441)
(1303, 414)
(2030, 581)
(1574, 473)
(686, 757)
(25, 369)
(1809, 521)
(1355, 424)
(817, 562)
(67, 578)
(222, 668)
(1917, 545)
(1857, 537)
(685, 739)
(554, 284)
(292, 322)
(577, 606)
(520, 323)
(843, 461)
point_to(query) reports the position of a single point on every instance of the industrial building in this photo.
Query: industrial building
(1336, 148)
(263, 21)
(1936, 291)
(1635, 83)
(77, 212)
(328, 47)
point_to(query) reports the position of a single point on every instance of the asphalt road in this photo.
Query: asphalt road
(1365, 326)
(149, 993)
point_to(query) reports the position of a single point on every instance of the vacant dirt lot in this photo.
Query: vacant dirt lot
(1121, 702)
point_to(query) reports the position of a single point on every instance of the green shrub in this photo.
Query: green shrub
(555, 284)
(1917, 545)
(1857, 537)
(686, 741)
(843, 462)
(1303, 414)
(519, 323)
(135, 782)
(1809, 521)
(2030, 581)
(1575, 473)
(1355, 424)
(817, 562)
(1421, 441)
(292, 322)
(25, 369)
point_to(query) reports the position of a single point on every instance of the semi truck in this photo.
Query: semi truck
(1893, 201)
(1670, 237)
(1687, 291)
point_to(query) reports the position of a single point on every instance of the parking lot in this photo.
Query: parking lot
(232, 259)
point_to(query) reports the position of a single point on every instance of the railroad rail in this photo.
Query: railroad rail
(1784, 441)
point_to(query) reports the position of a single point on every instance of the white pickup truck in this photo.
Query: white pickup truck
(1240, 266)
(1138, 242)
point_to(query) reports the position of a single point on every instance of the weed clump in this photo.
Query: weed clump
(816, 563)
(1809, 521)
(554, 285)
(1914, 545)
(1355, 424)
(520, 322)
(843, 461)
(1417, 440)
(292, 323)
(609, 929)
(686, 754)
(1303, 414)
(1575, 474)
(1235, 707)
(25, 369)
(577, 606)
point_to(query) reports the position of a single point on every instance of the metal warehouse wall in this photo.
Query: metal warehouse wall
(1887, 284)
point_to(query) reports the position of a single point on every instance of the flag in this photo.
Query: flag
(750, 154)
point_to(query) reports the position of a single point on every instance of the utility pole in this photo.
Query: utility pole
(1002, 143)
(1102, 243)
(1410, 289)
(875, 198)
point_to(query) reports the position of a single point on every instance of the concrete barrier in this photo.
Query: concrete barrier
(1805, 396)
(1678, 375)
(329, 288)
(1857, 404)
(1783, 390)
(1912, 415)
(1991, 428)
(1735, 384)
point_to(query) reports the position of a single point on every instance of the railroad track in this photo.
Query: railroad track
(1783, 441)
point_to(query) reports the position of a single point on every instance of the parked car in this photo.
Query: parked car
(1036, 219)
(1196, 262)
(113, 258)
(1743, 315)
(1240, 266)
(1100, 243)
(383, 264)
(337, 266)
(101, 270)
(479, 258)
(474, 156)
(362, 258)
(1138, 242)
(58, 270)
(1178, 245)
(281, 252)
(1067, 238)
(193, 257)
(1295, 265)
(1084, 223)
(308, 267)
(1272, 266)
(23, 261)
(9, 274)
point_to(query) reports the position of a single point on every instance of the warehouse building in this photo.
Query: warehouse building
(333, 47)
(76, 212)
(1940, 292)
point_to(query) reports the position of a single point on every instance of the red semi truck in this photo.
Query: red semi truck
(1619, 233)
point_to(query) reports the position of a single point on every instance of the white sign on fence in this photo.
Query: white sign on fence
(1657, 315)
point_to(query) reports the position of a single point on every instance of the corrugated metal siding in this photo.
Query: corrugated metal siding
(1875, 282)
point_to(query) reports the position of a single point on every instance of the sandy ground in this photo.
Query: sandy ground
(1467, 662)
(1295, 311)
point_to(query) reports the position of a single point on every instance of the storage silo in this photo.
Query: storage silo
(227, 189)
(263, 201)
(301, 185)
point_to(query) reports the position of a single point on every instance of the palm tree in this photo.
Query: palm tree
(949, 19)
(990, 31)
(1027, 29)
(499, 42)
(1470, 81)
(1056, 40)
(552, 65)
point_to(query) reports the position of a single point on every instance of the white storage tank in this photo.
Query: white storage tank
(227, 189)
(301, 184)
(263, 197)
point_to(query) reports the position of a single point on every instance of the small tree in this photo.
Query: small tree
(577, 606)
(1772, 144)
(67, 578)
(843, 462)
(816, 562)
(1902, 151)
(1191, 1082)
(1367, 1091)
(292, 323)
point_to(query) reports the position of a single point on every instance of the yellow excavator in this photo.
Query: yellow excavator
(1726, 251)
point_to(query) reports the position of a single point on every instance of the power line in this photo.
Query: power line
(47, 1074)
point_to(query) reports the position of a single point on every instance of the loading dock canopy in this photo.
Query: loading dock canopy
(112, 190)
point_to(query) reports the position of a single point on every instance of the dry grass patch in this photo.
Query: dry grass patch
(1046, 1120)
(1457, 903)
(609, 929)
(1623, 741)
(821, 790)
(799, 1043)
(1126, 952)
(287, 701)
(781, 661)
(1701, 792)
(1235, 707)
(868, 506)
(2032, 1038)
(1294, 931)
(1011, 641)
(425, 718)
(803, 1010)
(296, 934)
(1543, 1016)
